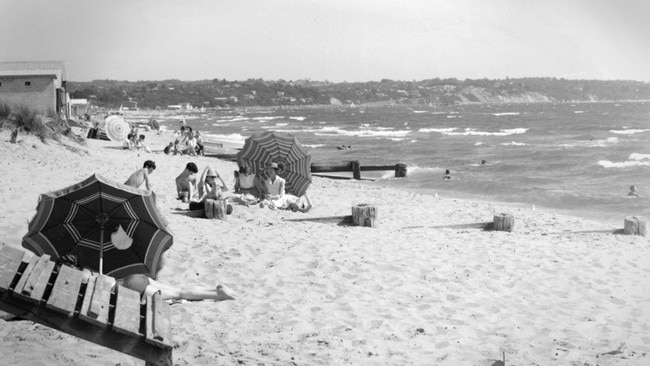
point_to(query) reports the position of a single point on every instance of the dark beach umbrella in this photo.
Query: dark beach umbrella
(110, 227)
(283, 149)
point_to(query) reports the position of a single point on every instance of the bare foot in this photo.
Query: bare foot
(222, 293)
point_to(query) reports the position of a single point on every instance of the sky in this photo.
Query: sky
(334, 40)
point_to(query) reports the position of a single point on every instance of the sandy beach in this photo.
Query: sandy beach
(427, 286)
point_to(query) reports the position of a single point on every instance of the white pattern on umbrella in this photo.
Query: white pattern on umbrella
(117, 129)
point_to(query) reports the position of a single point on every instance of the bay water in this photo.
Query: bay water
(575, 158)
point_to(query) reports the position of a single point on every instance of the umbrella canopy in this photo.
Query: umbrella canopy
(99, 220)
(283, 149)
(116, 128)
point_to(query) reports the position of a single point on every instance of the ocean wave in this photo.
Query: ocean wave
(314, 146)
(266, 119)
(440, 130)
(627, 132)
(298, 118)
(622, 164)
(513, 143)
(379, 132)
(637, 156)
(592, 143)
(233, 137)
(506, 114)
(472, 132)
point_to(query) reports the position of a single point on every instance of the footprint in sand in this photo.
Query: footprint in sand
(616, 300)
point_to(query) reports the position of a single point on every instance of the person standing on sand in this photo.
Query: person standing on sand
(141, 176)
(186, 182)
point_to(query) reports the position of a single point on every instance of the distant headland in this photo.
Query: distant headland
(431, 92)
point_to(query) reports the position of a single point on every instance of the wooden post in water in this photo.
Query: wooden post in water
(356, 169)
(504, 222)
(635, 225)
(215, 209)
(364, 215)
(400, 170)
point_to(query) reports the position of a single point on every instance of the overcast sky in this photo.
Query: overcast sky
(335, 40)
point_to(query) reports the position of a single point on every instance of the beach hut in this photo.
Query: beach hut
(37, 85)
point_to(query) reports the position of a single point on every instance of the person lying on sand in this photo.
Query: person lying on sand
(147, 286)
(186, 182)
(142, 175)
(296, 204)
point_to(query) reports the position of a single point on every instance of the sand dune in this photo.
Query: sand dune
(427, 286)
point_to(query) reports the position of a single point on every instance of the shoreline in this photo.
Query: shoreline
(426, 286)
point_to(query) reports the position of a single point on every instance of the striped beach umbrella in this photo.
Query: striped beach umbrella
(110, 227)
(283, 149)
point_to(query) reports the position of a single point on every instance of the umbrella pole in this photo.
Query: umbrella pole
(101, 249)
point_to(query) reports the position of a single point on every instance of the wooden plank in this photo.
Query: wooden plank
(88, 295)
(10, 259)
(127, 312)
(25, 276)
(65, 291)
(158, 321)
(38, 289)
(330, 169)
(136, 347)
(378, 167)
(36, 277)
(161, 318)
(98, 300)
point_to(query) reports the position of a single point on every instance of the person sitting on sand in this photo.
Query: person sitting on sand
(247, 184)
(141, 146)
(273, 187)
(128, 144)
(141, 176)
(168, 148)
(633, 192)
(186, 183)
(211, 186)
(180, 140)
(190, 143)
(147, 286)
(200, 148)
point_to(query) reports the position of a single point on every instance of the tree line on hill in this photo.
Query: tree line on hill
(258, 92)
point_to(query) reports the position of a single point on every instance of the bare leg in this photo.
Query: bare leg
(191, 293)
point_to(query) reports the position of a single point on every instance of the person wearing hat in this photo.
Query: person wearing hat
(211, 186)
(273, 187)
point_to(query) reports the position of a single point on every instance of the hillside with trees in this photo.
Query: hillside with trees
(258, 92)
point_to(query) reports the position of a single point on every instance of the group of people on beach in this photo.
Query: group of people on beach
(266, 189)
(186, 142)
